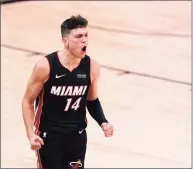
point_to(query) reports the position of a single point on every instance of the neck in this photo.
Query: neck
(70, 59)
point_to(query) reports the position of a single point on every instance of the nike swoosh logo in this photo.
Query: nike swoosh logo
(60, 76)
(81, 131)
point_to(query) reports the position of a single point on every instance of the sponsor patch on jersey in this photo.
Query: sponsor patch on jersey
(81, 75)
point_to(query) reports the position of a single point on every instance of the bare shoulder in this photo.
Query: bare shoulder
(42, 64)
(41, 69)
(94, 69)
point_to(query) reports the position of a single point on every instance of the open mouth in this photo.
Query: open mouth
(84, 49)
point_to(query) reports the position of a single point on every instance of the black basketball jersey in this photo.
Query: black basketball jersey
(63, 98)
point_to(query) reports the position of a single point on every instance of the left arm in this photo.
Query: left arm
(93, 103)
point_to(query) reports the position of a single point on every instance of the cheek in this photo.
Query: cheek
(74, 45)
(75, 42)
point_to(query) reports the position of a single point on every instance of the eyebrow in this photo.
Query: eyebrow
(81, 34)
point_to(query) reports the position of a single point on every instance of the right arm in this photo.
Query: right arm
(35, 84)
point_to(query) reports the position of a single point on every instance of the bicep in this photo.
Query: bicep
(36, 82)
(33, 89)
(93, 89)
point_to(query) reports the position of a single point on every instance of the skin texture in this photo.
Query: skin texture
(70, 58)
(93, 94)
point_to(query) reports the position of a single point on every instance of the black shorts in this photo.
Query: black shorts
(64, 151)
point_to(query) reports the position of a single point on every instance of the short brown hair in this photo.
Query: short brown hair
(72, 23)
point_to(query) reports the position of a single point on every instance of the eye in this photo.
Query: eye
(79, 36)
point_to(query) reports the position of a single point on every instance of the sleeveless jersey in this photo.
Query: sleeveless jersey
(63, 98)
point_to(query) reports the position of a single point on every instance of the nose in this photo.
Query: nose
(84, 39)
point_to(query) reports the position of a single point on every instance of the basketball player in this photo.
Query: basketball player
(65, 84)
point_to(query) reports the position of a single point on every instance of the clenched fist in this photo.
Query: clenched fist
(107, 129)
(36, 142)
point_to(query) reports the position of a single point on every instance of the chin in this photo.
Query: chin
(82, 56)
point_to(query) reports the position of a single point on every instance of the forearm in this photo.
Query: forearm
(28, 117)
(95, 109)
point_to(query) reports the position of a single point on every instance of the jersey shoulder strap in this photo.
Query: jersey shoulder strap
(51, 58)
(85, 64)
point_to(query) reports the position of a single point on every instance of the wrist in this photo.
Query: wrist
(95, 109)
(30, 134)
(103, 123)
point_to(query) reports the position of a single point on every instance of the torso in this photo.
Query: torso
(64, 96)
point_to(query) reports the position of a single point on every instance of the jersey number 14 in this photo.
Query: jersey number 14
(71, 105)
